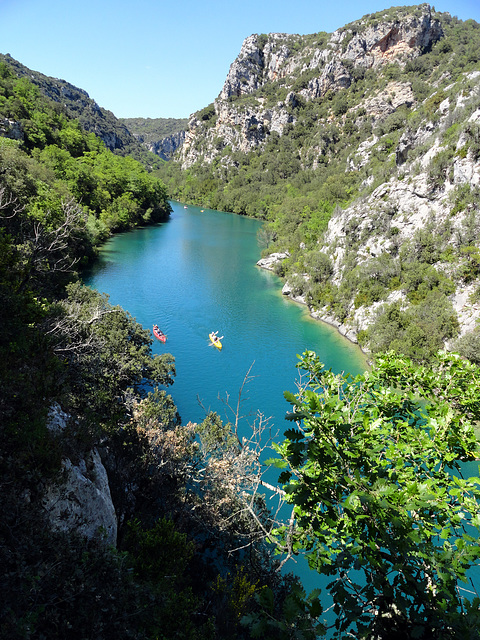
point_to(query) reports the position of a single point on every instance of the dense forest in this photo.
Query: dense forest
(62, 192)
(370, 469)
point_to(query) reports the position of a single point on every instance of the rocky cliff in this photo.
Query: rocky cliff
(166, 147)
(161, 136)
(378, 123)
(81, 502)
(413, 200)
(305, 68)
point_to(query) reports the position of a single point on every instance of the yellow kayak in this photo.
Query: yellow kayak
(215, 341)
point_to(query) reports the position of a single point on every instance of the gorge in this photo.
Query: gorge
(363, 144)
(349, 163)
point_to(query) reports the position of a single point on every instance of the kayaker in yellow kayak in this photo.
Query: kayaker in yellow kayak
(215, 339)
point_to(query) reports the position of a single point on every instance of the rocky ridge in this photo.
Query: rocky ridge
(325, 63)
(404, 205)
(78, 104)
(161, 136)
(166, 147)
(389, 92)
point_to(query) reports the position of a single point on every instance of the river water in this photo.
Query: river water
(197, 273)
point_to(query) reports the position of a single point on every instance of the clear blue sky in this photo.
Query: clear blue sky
(159, 59)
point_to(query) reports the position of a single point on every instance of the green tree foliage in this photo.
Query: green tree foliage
(67, 100)
(299, 616)
(373, 469)
(60, 586)
(417, 332)
(319, 266)
(56, 159)
(468, 345)
(161, 556)
(207, 113)
(106, 354)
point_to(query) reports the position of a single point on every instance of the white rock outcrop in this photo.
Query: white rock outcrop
(269, 58)
(81, 500)
(393, 213)
(270, 261)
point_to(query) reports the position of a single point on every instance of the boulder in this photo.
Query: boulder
(81, 500)
(270, 261)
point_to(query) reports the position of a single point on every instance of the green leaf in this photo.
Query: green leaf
(294, 434)
(290, 397)
(277, 463)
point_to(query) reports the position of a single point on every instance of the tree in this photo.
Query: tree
(319, 265)
(418, 332)
(373, 470)
(468, 345)
(106, 353)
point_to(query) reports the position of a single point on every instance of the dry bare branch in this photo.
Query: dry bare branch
(48, 251)
(244, 498)
(7, 201)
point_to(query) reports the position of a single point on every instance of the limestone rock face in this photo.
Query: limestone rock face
(391, 39)
(256, 63)
(81, 501)
(385, 102)
(334, 77)
(241, 129)
(166, 147)
(264, 60)
(270, 261)
(260, 61)
(411, 200)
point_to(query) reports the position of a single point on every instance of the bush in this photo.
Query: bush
(469, 346)
(318, 265)
(299, 286)
(418, 332)
(207, 113)
(439, 168)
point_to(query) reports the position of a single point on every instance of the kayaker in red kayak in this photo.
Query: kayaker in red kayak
(159, 334)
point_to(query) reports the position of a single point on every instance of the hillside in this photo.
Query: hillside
(79, 106)
(360, 151)
(116, 518)
(162, 136)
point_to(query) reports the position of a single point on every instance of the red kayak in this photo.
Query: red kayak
(159, 334)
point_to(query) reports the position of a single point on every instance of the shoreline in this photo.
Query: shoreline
(268, 263)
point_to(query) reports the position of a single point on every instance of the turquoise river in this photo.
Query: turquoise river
(197, 273)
